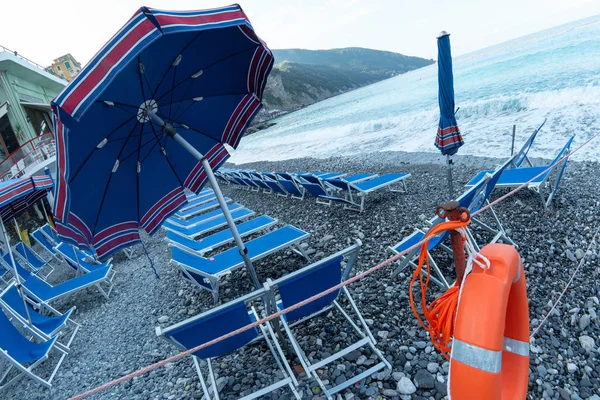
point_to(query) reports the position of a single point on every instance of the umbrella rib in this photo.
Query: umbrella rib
(152, 140)
(124, 138)
(165, 156)
(151, 148)
(184, 111)
(214, 95)
(109, 179)
(184, 48)
(207, 67)
(86, 159)
(196, 130)
(173, 83)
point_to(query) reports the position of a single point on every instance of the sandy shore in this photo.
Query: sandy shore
(117, 335)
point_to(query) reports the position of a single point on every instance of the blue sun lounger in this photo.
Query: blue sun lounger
(43, 293)
(473, 199)
(290, 185)
(43, 241)
(209, 243)
(23, 355)
(33, 260)
(208, 226)
(307, 282)
(543, 184)
(7, 264)
(206, 272)
(80, 260)
(201, 208)
(198, 219)
(270, 180)
(521, 156)
(198, 201)
(351, 190)
(42, 327)
(50, 233)
(220, 321)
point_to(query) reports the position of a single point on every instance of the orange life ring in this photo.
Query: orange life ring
(490, 349)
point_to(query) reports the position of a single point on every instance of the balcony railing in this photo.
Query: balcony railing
(28, 155)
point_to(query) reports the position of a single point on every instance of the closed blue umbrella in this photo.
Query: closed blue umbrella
(448, 138)
(149, 117)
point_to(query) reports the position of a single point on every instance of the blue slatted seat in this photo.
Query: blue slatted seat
(208, 226)
(199, 209)
(198, 219)
(206, 272)
(44, 327)
(23, 355)
(220, 238)
(222, 320)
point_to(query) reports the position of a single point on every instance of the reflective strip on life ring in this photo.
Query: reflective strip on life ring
(490, 349)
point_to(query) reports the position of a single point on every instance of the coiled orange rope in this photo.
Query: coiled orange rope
(441, 313)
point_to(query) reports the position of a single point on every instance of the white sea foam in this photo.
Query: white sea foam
(551, 81)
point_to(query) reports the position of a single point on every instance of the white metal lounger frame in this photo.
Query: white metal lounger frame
(264, 228)
(367, 338)
(37, 333)
(266, 333)
(28, 371)
(213, 280)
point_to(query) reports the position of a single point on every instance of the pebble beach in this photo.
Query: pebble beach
(118, 335)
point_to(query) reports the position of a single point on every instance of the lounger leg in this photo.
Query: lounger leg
(201, 376)
(404, 262)
(296, 346)
(299, 250)
(212, 379)
(360, 317)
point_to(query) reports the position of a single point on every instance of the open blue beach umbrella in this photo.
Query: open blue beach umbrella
(149, 117)
(448, 138)
(15, 196)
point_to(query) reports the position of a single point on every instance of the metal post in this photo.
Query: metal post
(453, 212)
(44, 209)
(450, 185)
(512, 147)
(14, 271)
(170, 130)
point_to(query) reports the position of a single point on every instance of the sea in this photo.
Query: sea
(553, 75)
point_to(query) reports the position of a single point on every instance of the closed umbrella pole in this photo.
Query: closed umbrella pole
(450, 184)
(448, 138)
(171, 131)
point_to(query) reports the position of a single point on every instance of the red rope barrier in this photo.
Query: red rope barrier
(311, 299)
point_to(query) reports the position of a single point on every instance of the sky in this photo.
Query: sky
(43, 30)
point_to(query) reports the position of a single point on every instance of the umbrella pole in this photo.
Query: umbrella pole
(172, 132)
(44, 208)
(14, 271)
(213, 181)
(450, 184)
